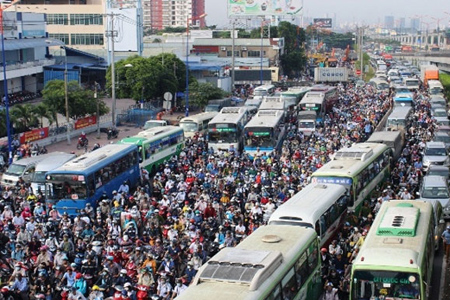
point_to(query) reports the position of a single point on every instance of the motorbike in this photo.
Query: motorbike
(142, 293)
(82, 143)
(113, 133)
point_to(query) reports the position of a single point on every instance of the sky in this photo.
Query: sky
(363, 12)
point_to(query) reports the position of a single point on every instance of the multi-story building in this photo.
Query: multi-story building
(389, 22)
(159, 14)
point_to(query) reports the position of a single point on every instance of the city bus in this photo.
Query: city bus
(322, 207)
(263, 90)
(435, 87)
(273, 103)
(399, 119)
(360, 168)
(321, 99)
(274, 262)
(226, 130)
(84, 179)
(157, 145)
(396, 258)
(266, 131)
(293, 96)
(196, 123)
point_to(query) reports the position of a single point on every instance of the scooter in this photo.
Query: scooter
(82, 143)
(142, 292)
(113, 133)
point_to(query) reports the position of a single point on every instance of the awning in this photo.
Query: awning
(31, 43)
(195, 66)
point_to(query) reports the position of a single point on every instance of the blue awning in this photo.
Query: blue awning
(195, 66)
(31, 43)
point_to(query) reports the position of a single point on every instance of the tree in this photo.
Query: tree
(81, 101)
(293, 62)
(24, 117)
(43, 111)
(200, 93)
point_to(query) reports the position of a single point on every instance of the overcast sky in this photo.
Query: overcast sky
(361, 11)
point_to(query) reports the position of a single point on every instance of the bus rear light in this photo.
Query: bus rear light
(411, 261)
(362, 258)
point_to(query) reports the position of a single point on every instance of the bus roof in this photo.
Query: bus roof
(313, 97)
(272, 103)
(56, 159)
(322, 88)
(199, 117)
(87, 160)
(265, 87)
(32, 159)
(252, 267)
(303, 206)
(400, 112)
(158, 132)
(229, 115)
(349, 161)
(265, 118)
(397, 237)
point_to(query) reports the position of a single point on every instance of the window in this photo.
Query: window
(86, 19)
(64, 37)
(86, 39)
(57, 19)
(253, 53)
(236, 53)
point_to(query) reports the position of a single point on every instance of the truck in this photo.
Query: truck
(306, 121)
(429, 72)
(331, 74)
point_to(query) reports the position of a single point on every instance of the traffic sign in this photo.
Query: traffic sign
(358, 72)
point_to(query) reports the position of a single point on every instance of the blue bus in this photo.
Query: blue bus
(84, 179)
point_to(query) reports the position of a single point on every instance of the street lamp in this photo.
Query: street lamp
(66, 94)
(187, 60)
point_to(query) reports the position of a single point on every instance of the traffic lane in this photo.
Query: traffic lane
(437, 278)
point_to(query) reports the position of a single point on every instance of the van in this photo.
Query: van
(253, 102)
(217, 104)
(399, 118)
(154, 123)
(436, 188)
(306, 121)
(21, 167)
(37, 179)
(435, 153)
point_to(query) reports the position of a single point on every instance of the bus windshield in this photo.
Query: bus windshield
(258, 137)
(66, 186)
(189, 126)
(16, 170)
(385, 285)
(307, 124)
(223, 136)
(260, 93)
(39, 176)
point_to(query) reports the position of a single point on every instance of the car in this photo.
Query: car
(435, 153)
(360, 83)
(436, 188)
(439, 171)
(443, 137)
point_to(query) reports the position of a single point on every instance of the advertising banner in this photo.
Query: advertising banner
(323, 22)
(85, 122)
(263, 7)
(34, 135)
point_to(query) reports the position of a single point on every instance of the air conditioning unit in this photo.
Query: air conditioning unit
(244, 48)
(223, 48)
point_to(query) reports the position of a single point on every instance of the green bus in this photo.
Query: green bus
(275, 262)
(293, 96)
(396, 258)
(361, 168)
(157, 145)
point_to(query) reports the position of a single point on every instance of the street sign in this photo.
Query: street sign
(168, 96)
(358, 72)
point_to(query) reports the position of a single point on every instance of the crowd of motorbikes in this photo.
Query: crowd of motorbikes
(21, 97)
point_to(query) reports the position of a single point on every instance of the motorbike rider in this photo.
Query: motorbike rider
(83, 136)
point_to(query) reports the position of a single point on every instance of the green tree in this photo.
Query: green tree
(2, 122)
(24, 117)
(200, 93)
(43, 111)
(293, 61)
(81, 101)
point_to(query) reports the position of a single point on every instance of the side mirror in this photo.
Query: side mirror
(441, 221)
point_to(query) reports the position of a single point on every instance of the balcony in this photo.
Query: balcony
(19, 69)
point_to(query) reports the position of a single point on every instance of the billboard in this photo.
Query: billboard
(323, 22)
(263, 7)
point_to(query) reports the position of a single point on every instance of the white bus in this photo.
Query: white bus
(360, 168)
(263, 91)
(399, 118)
(225, 131)
(396, 258)
(266, 131)
(435, 87)
(322, 207)
(274, 262)
(196, 123)
(55, 160)
(273, 103)
(413, 84)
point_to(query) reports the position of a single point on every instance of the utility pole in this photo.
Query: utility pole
(111, 33)
(233, 45)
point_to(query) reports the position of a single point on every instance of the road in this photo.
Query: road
(437, 277)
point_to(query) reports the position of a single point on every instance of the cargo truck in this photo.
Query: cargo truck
(429, 72)
(331, 74)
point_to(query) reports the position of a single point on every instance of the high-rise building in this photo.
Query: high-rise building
(159, 14)
(415, 24)
(389, 22)
(401, 23)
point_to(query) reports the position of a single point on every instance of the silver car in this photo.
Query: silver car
(435, 153)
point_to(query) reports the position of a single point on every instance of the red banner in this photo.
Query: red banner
(34, 135)
(85, 122)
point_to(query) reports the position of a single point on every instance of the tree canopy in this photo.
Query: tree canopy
(81, 101)
(201, 92)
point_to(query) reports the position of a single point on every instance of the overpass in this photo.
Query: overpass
(424, 40)
(440, 59)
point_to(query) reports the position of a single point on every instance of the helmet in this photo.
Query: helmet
(123, 271)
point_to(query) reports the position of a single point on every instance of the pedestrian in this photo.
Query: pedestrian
(446, 240)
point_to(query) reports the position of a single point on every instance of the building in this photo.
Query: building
(26, 53)
(389, 22)
(159, 14)
(415, 24)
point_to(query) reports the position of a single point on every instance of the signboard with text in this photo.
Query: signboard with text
(34, 135)
(323, 22)
(85, 122)
(263, 7)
